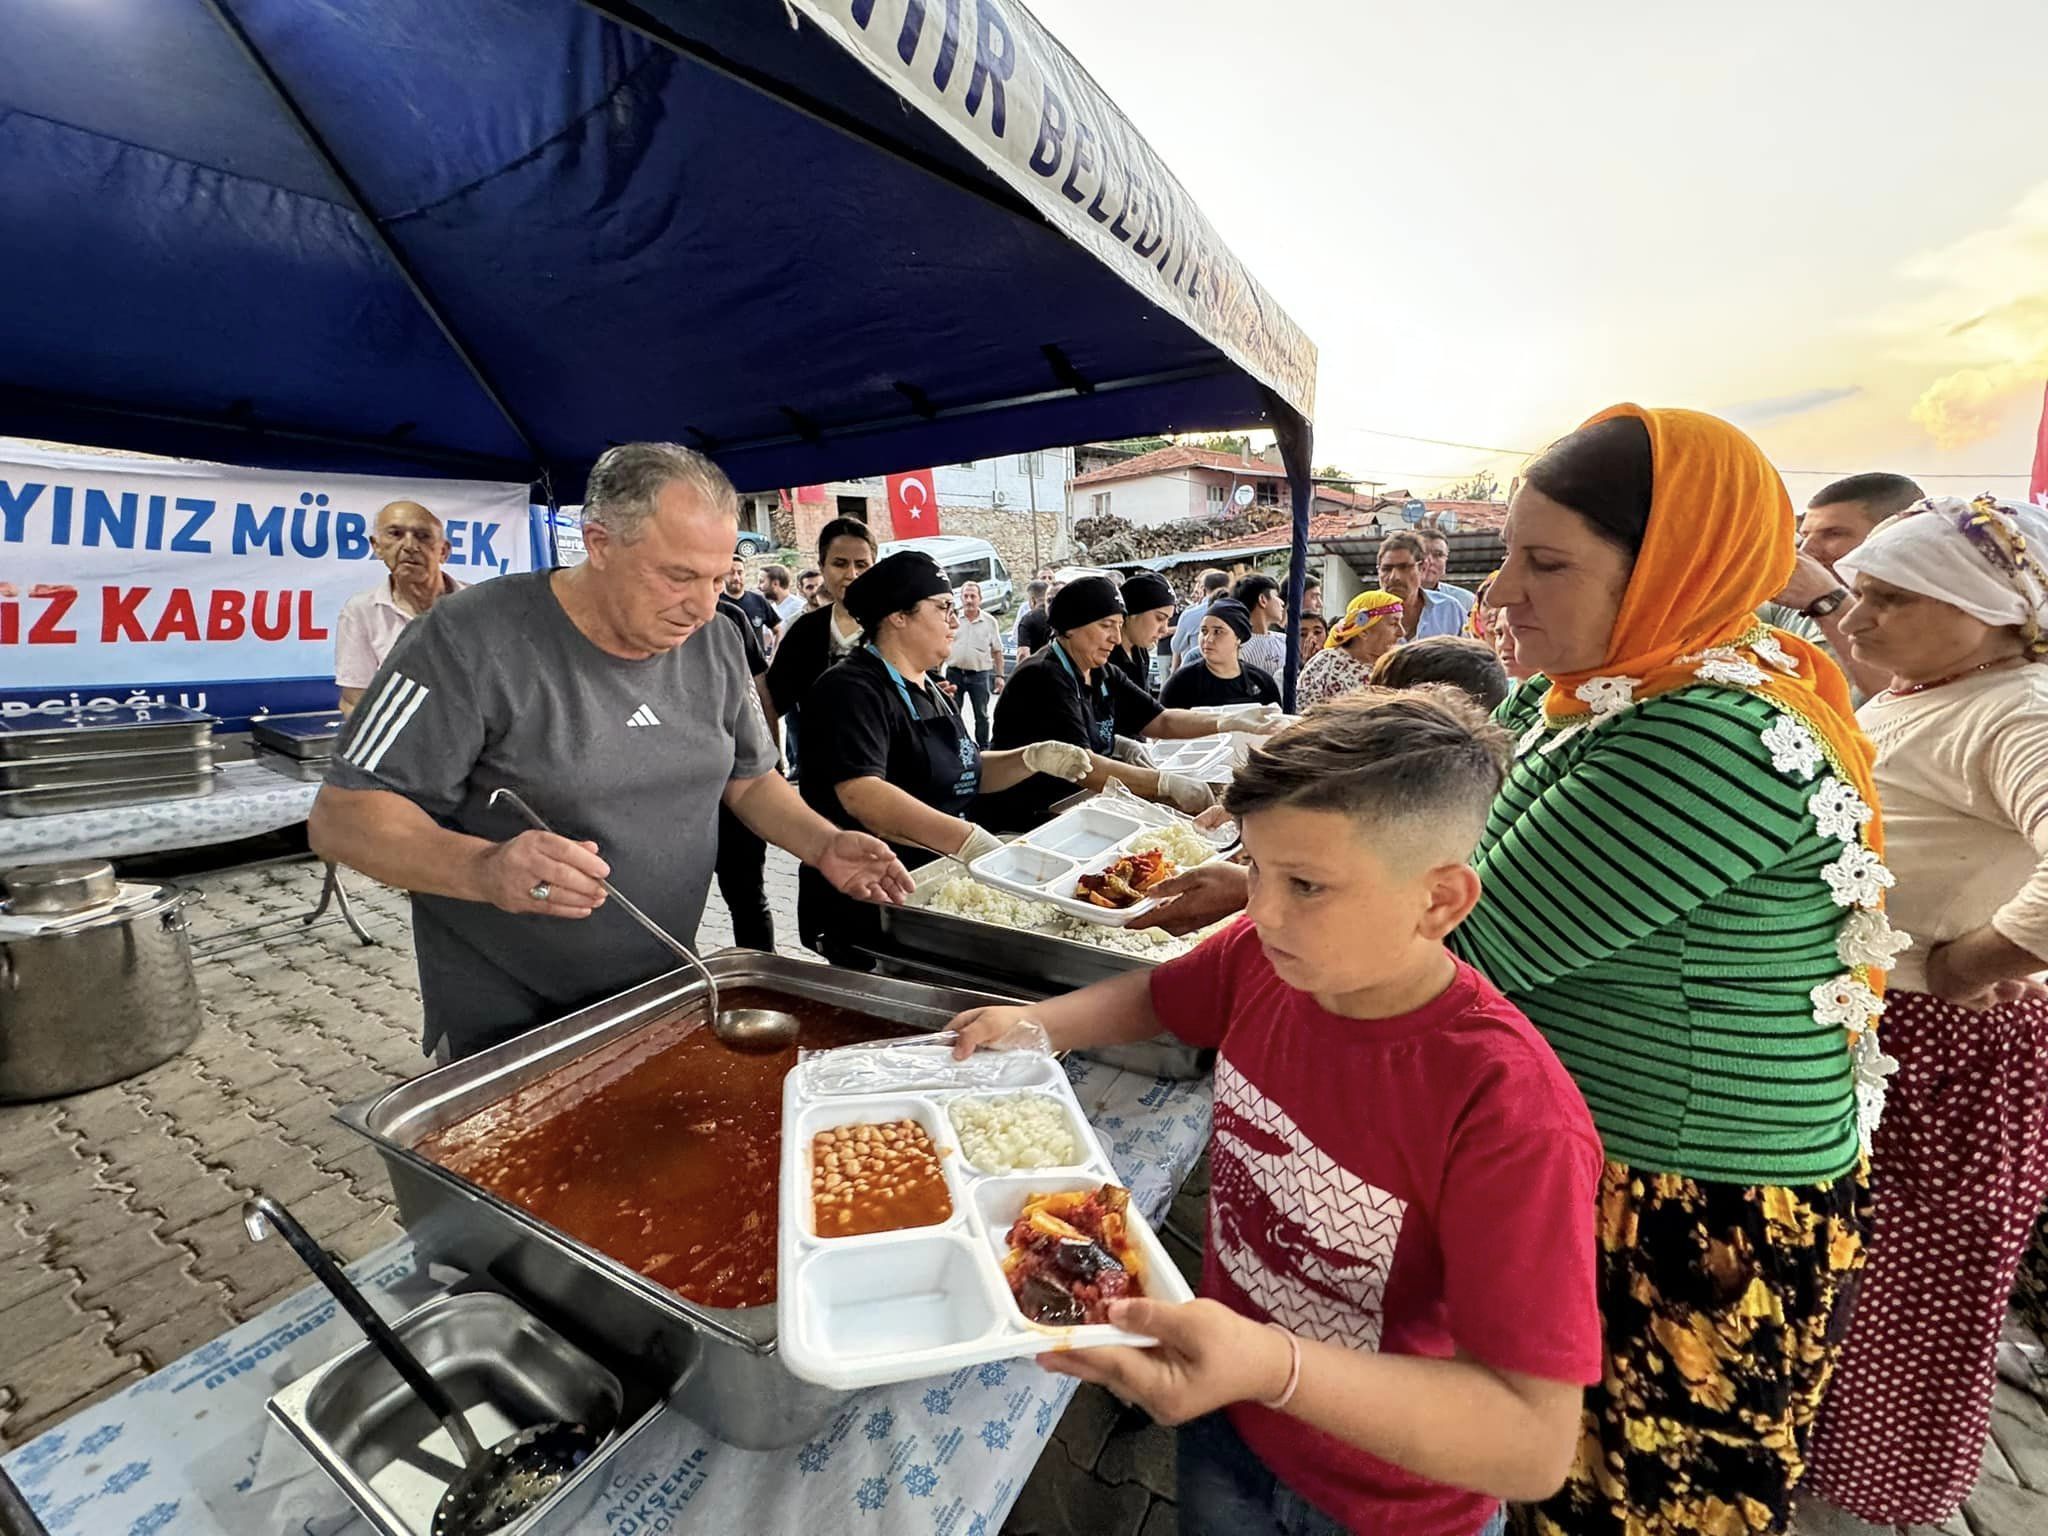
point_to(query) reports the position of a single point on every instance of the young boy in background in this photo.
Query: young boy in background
(1398, 1313)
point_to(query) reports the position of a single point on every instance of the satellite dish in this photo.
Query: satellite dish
(1447, 520)
(1413, 512)
(1242, 496)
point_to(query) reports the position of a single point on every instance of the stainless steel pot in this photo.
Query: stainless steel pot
(93, 1004)
(70, 885)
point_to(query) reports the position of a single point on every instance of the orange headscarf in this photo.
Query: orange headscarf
(1719, 545)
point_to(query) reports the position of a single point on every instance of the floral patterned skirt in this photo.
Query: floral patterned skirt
(1724, 1307)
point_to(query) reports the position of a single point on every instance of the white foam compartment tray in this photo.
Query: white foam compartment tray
(1045, 863)
(1210, 759)
(868, 1311)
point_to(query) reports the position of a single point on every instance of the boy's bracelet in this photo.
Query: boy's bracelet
(1293, 1369)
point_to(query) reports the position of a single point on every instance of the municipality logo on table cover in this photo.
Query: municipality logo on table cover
(643, 716)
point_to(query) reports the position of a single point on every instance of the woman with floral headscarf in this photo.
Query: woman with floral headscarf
(1952, 602)
(1683, 891)
(1370, 628)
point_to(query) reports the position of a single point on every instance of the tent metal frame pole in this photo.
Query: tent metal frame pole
(360, 204)
(1296, 439)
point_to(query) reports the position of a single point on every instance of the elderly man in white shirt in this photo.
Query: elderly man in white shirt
(410, 541)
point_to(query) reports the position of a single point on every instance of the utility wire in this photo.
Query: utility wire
(1915, 474)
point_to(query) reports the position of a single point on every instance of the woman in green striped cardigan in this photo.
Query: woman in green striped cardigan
(1683, 891)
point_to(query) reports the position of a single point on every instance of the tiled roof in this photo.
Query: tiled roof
(1322, 527)
(1330, 527)
(1179, 456)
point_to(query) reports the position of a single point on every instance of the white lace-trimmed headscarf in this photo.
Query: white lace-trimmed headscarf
(1984, 557)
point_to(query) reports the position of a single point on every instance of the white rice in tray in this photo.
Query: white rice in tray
(1182, 844)
(963, 896)
(968, 898)
(1015, 1133)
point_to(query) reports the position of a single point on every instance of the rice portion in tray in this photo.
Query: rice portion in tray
(964, 897)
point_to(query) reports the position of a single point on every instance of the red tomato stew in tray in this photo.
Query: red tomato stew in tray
(661, 1149)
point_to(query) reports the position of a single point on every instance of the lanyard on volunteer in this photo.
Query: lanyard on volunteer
(1101, 688)
(903, 689)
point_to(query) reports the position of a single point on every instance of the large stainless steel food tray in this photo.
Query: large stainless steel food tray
(102, 767)
(739, 1390)
(506, 1370)
(304, 735)
(1005, 956)
(126, 729)
(63, 799)
(309, 770)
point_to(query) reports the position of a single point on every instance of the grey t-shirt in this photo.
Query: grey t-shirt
(495, 685)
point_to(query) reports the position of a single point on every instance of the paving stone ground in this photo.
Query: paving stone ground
(121, 1246)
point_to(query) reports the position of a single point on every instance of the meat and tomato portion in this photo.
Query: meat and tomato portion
(1124, 883)
(1071, 1255)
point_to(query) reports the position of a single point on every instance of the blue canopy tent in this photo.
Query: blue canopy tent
(488, 238)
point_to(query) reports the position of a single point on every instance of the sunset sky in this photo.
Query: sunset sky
(1826, 220)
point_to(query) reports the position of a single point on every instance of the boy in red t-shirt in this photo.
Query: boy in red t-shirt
(1399, 1311)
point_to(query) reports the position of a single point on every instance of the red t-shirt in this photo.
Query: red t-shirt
(1421, 1185)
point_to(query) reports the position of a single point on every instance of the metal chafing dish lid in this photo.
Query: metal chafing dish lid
(69, 885)
(310, 726)
(121, 716)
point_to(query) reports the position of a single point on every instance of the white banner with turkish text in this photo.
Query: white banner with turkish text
(205, 583)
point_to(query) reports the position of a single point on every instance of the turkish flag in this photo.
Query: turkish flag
(913, 505)
(2037, 489)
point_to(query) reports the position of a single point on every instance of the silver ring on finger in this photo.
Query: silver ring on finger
(541, 891)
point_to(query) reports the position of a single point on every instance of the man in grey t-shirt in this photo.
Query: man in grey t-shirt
(609, 699)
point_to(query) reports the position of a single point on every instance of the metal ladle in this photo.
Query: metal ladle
(496, 1486)
(761, 1030)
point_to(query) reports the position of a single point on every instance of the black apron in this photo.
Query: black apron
(1101, 708)
(945, 775)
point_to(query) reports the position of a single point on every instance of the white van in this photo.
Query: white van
(964, 560)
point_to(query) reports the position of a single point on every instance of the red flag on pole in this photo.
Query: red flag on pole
(913, 505)
(2037, 488)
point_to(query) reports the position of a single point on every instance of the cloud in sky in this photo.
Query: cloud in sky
(1778, 407)
(1983, 322)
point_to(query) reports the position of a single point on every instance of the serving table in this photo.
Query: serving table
(247, 801)
(190, 1451)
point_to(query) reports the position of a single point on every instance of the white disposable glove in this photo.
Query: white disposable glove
(1253, 719)
(1189, 796)
(1133, 751)
(1061, 759)
(979, 841)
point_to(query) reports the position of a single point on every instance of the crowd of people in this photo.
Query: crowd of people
(1674, 1150)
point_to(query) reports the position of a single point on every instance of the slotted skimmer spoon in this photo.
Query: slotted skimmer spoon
(496, 1485)
(744, 1029)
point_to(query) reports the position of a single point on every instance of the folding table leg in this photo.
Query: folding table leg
(331, 889)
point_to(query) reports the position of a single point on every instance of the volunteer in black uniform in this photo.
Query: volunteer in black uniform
(826, 634)
(1148, 614)
(886, 751)
(1069, 692)
(1217, 677)
(742, 866)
